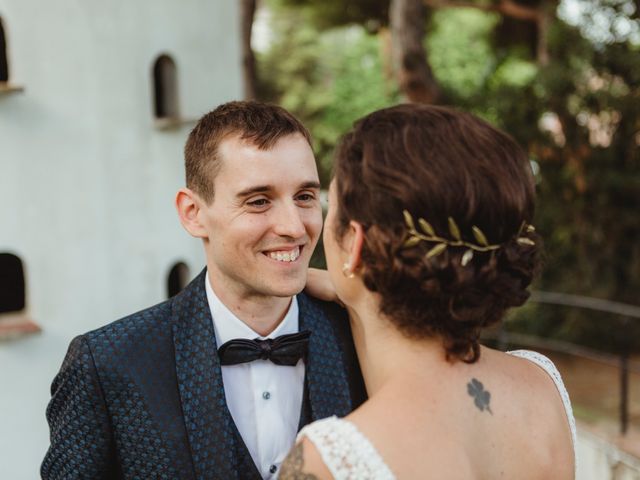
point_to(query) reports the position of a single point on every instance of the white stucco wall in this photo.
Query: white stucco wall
(87, 182)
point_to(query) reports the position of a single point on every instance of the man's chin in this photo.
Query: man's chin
(287, 289)
(287, 292)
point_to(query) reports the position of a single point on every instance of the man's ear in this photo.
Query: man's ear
(354, 244)
(188, 206)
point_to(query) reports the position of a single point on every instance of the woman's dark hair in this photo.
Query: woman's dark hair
(437, 163)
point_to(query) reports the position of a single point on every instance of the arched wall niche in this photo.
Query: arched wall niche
(4, 61)
(165, 86)
(177, 279)
(12, 283)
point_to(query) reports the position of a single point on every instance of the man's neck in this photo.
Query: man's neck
(261, 313)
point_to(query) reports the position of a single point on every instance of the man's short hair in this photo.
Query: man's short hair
(261, 124)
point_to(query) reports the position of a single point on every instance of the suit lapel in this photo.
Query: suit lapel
(326, 377)
(216, 446)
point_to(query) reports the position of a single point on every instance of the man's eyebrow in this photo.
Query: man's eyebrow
(315, 185)
(252, 190)
(267, 188)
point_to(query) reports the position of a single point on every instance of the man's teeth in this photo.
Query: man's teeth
(286, 256)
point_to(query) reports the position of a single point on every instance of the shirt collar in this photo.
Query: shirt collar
(228, 327)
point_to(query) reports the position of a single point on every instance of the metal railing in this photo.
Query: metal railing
(625, 311)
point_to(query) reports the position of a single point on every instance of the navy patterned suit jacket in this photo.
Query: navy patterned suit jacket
(142, 398)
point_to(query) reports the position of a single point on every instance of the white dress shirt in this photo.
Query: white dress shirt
(264, 399)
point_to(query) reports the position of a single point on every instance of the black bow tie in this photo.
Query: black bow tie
(283, 350)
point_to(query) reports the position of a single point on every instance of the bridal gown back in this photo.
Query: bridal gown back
(349, 455)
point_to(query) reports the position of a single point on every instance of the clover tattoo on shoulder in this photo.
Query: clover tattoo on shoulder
(481, 397)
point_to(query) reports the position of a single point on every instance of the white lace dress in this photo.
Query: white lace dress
(349, 455)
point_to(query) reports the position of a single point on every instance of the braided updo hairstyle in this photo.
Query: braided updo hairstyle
(437, 163)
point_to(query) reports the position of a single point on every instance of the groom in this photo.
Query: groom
(215, 382)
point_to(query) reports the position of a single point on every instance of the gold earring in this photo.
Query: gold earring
(346, 270)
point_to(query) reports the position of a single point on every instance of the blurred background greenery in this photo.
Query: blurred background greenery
(562, 77)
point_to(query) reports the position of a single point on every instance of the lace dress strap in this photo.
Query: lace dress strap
(548, 366)
(346, 452)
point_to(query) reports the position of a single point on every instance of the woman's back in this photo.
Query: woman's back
(509, 423)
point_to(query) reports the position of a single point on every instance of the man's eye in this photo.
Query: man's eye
(306, 197)
(260, 202)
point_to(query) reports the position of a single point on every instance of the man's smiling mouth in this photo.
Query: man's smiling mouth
(285, 255)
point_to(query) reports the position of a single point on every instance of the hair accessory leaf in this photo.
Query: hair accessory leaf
(428, 234)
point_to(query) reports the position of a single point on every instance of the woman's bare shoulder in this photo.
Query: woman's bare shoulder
(524, 381)
(528, 370)
(536, 389)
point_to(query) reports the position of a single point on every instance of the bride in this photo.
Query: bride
(429, 240)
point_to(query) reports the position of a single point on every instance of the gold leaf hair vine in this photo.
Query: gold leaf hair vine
(428, 234)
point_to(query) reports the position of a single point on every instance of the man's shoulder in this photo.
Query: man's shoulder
(143, 326)
(332, 311)
(330, 317)
(151, 321)
(326, 313)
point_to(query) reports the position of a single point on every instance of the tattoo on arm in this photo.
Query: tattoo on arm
(293, 465)
(481, 396)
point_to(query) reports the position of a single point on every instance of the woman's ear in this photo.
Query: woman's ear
(188, 206)
(354, 245)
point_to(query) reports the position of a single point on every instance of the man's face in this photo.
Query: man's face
(265, 219)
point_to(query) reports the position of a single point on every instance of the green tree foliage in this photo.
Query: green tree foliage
(578, 115)
(336, 13)
(329, 78)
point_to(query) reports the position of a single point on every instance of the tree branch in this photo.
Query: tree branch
(248, 10)
(407, 19)
(507, 8)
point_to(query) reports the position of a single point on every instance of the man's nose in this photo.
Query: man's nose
(289, 222)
